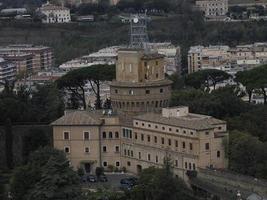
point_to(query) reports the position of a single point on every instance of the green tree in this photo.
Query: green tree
(202, 78)
(160, 183)
(247, 155)
(35, 139)
(47, 175)
(254, 79)
(75, 80)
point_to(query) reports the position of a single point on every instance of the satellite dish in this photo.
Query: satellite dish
(135, 20)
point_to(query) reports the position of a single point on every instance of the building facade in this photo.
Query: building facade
(7, 71)
(55, 14)
(141, 130)
(29, 57)
(228, 59)
(213, 8)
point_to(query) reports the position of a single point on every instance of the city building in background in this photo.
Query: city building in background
(228, 59)
(213, 8)
(55, 14)
(7, 71)
(28, 58)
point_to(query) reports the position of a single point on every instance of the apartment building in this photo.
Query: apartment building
(7, 71)
(229, 59)
(29, 57)
(55, 14)
(141, 130)
(22, 61)
(213, 8)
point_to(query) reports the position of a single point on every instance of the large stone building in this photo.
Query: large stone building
(141, 130)
(213, 8)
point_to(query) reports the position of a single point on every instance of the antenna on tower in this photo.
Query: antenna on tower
(138, 31)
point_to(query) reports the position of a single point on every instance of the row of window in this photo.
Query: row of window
(156, 140)
(87, 149)
(105, 163)
(129, 153)
(66, 135)
(156, 104)
(105, 150)
(110, 135)
(86, 135)
(131, 92)
(164, 128)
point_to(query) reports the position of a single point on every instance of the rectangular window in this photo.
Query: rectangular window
(218, 154)
(117, 149)
(147, 91)
(86, 150)
(67, 149)
(170, 142)
(207, 146)
(176, 143)
(157, 159)
(104, 149)
(135, 136)
(104, 135)
(191, 146)
(155, 139)
(162, 140)
(139, 155)
(183, 145)
(110, 135)
(86, 135)
(176, 163)
(142, 137)
(117, 164)
(128, 163)
(148, 157)
(116, 134)
(148, 138)
(105, 164)
(131, 153)
(66, 135)
(185, 165)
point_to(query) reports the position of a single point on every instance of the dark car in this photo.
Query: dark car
(84, 179)
(128, 183)
(91, 178)
(103, 178)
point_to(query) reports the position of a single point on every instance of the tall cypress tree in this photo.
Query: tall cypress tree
(9, 143)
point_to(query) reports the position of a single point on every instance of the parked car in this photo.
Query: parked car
(128, 183)
(103, 178)
(91, 178)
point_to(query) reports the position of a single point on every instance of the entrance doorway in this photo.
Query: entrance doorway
(87, 168)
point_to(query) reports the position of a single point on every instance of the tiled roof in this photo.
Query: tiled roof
(77, 118)
(192, 121)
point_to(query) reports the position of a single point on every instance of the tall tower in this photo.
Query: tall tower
(140, 84)
(138, 30)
